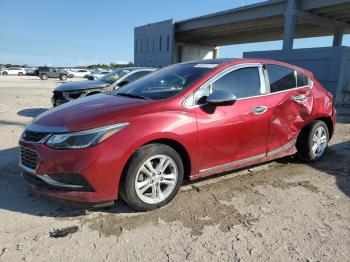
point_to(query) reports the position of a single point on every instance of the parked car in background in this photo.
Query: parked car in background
(31, 71)
(50, 72)
(97, 75)
(94, 72)
(13, 71)
(116, 78)
(78, 72)
(188, 120)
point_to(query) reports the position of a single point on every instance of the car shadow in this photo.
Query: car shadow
(335, 162)
(16, 194)
(31, 112)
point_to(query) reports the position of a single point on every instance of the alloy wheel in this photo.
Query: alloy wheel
(156, 179)
(319, 140)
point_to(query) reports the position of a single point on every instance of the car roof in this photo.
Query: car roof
(134, 68)
(226, 62)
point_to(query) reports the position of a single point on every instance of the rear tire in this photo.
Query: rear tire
(152, 177)
(313, 141)
(44, 77)
(63, 77)
(20, 73)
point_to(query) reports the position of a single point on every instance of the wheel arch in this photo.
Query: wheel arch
(329, 123)
(176, 145)
(180, 149)
(326, 119)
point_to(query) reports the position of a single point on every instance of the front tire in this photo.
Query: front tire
(152, 178)
(4, 73)
(44, 77)
(63, 77)
(313, 141)
(20, 73)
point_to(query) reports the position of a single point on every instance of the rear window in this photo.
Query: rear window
(302, 80)
(281, 78)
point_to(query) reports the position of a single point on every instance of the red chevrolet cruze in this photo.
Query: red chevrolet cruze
(187, 120)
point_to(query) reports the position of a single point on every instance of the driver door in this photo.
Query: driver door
(233, 135)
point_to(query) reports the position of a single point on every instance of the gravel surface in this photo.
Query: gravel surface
(284, 210)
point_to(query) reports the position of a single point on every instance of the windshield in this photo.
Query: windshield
(166, 82)
(114, 76)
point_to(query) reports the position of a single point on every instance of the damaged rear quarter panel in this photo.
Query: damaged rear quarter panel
(288, 117)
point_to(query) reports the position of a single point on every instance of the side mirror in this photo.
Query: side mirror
(123, 83)
(221, 97)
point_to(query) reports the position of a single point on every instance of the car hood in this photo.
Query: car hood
(80, 85)
(90, 112)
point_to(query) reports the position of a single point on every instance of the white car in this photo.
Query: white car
(96, 75)
(13, 71)
(79, 72)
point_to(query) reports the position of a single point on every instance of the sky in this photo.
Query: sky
(80, 32)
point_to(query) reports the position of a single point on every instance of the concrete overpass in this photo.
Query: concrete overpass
(267, 21)
(168, 42)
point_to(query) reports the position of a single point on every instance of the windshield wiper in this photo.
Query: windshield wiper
(133, 96)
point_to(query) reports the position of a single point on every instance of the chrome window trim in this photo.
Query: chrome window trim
(225, 72)
(310, 86)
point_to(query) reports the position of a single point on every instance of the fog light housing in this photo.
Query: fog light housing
(67, 181)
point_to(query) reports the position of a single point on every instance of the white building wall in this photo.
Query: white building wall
(189, 52)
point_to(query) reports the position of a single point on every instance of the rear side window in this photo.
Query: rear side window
(244, 82)
(302, 80)
(136, 76)
(281, 78)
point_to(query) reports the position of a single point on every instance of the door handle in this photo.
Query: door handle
(259, 110)
(299, 98)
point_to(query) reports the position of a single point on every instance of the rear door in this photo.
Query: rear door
(291, 103)
(231, 135)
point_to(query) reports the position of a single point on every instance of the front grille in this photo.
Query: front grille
(29, 158)
(75, 95)
(30, 136)
(57, 95)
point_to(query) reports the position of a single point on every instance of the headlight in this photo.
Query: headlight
(85, 138)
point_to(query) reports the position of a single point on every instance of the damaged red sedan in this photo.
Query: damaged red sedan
(185, 121)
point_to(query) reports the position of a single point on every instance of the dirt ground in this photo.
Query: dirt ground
(280, 211)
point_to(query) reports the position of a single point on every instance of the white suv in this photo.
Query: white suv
(79, 72)
(13, 71)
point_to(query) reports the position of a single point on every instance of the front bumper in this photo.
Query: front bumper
(98, 166)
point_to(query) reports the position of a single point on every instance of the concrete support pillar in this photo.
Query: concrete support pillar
(338, 37)
(290, 21)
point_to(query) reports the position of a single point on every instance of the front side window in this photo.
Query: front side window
(281, 78)
(136, 76)
(244, 82)
(111, 77)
